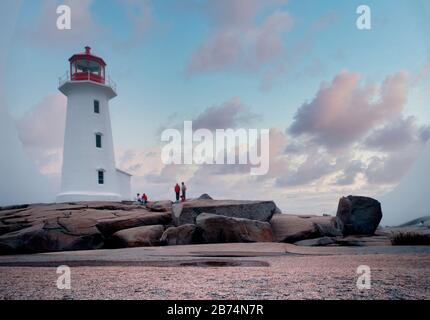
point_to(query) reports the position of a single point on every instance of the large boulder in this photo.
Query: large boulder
(182, 235)
(53, 235)
(109, 226)
(205, 196)
(293, 228)
(160, 206)
(327, 226)
(290, 228)
(145, 236)
(254, 210)
(222, 229)
(359, 215)
(176, 212)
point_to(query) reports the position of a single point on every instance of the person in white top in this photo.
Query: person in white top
(138, 199)
(184, 190)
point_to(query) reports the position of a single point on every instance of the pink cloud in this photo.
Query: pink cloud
(230, 114)
(237, 40)
(43, 125)
(344, 111)
(41, 131)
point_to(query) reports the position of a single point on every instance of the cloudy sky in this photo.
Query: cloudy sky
(347, 109)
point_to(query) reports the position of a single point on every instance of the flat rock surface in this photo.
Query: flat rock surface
(216, 271)
(20, 217)
(70, 226)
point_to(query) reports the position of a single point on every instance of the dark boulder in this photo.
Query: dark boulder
(359, 215)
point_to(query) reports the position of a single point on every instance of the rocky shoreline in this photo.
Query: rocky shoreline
(96, 225)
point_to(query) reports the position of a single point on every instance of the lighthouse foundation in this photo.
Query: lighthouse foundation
(87, 196)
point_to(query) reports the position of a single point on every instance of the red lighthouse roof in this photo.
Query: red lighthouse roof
(87, 56)
(86, 66)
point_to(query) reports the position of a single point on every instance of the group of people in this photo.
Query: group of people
(180, 192)
(142, 199)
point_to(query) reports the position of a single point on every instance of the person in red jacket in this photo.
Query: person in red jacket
(144, 198)
(177, 191)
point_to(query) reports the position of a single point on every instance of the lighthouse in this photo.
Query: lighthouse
(89, 172)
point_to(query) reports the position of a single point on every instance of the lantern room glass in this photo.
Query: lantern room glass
(87, 70)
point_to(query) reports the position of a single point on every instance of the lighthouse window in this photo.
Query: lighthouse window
(87, 66)
(98, 140)
(101, 176)
(96, 106)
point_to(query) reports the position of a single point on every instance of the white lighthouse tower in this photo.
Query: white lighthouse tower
(89, 172)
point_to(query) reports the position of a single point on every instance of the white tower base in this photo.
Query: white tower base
(87, 196)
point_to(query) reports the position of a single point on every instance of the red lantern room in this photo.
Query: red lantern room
(85, 66)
